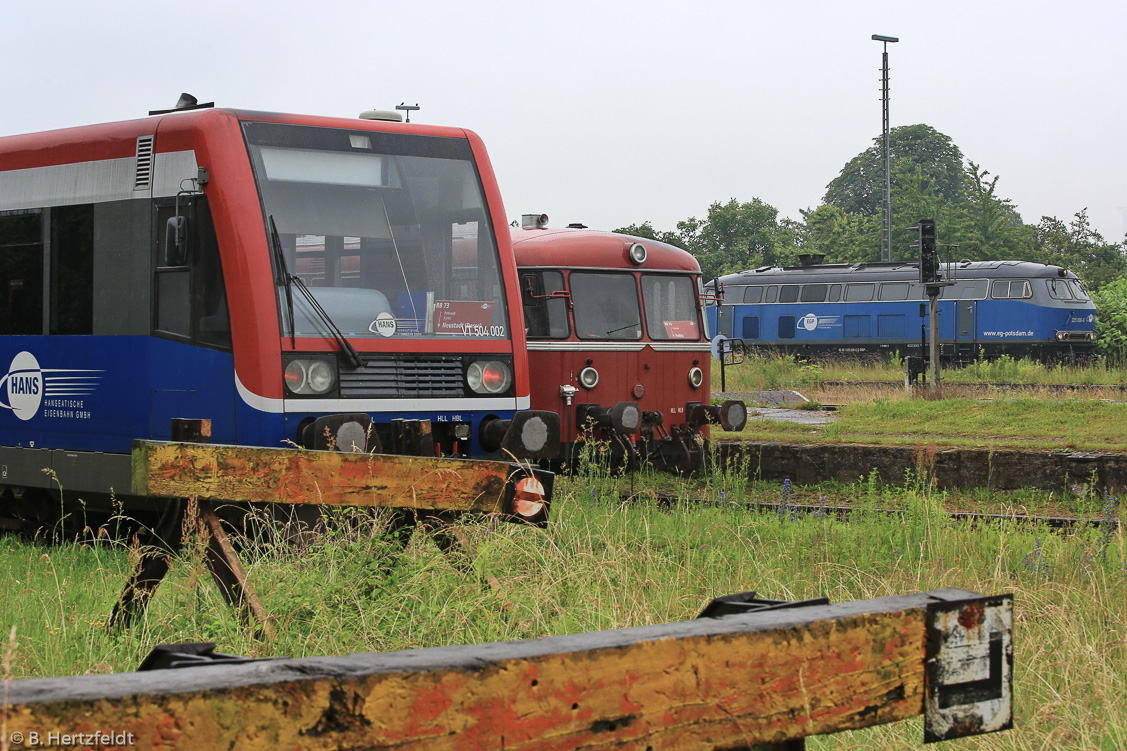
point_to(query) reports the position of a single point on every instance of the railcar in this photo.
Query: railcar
(991, 308)
(296, 280)
(617, 345)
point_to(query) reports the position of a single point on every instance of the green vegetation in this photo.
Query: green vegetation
(931, 179)
(604, 564)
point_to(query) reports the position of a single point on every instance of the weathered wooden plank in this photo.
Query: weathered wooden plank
(707, 684)
(289, 475)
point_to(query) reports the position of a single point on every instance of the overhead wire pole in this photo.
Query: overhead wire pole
(886, 208)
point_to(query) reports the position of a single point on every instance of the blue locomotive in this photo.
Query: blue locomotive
(987, 309)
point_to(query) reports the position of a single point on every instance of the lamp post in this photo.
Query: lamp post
(886, 208)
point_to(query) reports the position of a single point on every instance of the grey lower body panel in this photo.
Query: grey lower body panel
(72, 471)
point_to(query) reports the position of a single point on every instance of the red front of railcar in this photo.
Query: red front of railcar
(617, 344)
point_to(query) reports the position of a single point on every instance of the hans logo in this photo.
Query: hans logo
(384, 325)
(23, 385)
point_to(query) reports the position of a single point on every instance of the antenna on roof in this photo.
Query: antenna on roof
(186, 102)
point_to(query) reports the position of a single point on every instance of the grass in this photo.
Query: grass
(1028, 410)
(768, 372)
(604, 564)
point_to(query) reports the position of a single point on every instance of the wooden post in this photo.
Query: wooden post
(770, 677)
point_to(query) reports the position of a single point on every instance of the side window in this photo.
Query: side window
(789, 293)
(861, 292)
(772, 293)
(21, 272)
(814, 292)
(545, 316)
(1000, 289)
(753, 295)
(191, 297)
(894, 291)
(835, 293)
(72, 269)
(1059, 289)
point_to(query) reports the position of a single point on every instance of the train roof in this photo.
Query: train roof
(587, 248)
(896, 271)
(99, 140)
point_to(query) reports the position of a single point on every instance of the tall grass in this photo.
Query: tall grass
(608, 563)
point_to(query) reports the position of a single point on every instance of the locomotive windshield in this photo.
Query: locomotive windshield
(389, 231)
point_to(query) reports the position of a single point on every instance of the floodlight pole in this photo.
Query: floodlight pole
(886, 208)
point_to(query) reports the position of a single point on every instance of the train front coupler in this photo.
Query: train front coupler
(531, 434)
(731, 415)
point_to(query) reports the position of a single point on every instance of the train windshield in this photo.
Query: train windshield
(390, 232)
(605, 306)
(671, 307)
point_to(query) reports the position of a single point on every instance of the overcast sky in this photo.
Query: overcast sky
(612, 113)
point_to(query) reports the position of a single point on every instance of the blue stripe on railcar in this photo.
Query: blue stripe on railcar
(98, 393)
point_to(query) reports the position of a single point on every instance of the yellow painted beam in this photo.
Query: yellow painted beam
(707, 684)
(290, 475)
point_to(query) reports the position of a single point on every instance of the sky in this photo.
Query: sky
(615, 113)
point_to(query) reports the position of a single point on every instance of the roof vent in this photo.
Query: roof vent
(811, 259)
(388, 115)
(143, 175)
(533, 221)
(577, 225)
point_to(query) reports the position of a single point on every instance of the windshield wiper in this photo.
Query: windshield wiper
(290, 281)
(636, 324)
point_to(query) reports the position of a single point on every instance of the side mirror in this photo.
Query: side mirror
(176, 241)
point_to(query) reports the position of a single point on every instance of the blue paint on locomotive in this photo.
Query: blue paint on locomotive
(1048, 314)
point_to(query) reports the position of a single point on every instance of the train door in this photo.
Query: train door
(964, 329)
(724, 320)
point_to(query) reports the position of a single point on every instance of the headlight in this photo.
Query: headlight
(637, 254)
(309, 377)
(488, 377)
(696, 377)
(589, 378)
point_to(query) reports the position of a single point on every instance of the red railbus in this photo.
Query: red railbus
(617, 344)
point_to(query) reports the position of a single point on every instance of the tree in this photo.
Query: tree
(842, 236)
(735, 236)
(988, 227)
(1078, 247)
(646, 230)
(860, 186)
(1111, 320)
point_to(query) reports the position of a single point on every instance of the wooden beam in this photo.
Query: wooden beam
(721, 683)
(290, 475)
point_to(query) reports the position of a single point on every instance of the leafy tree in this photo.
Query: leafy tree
(844, 237)
(1111, 320)
(1080, 248)
(735, 236)
(988, 227)
(860, 186)
(646, 230)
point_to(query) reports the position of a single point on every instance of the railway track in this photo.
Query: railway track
(1054, 523)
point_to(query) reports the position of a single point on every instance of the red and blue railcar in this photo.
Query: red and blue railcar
(296, 280)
